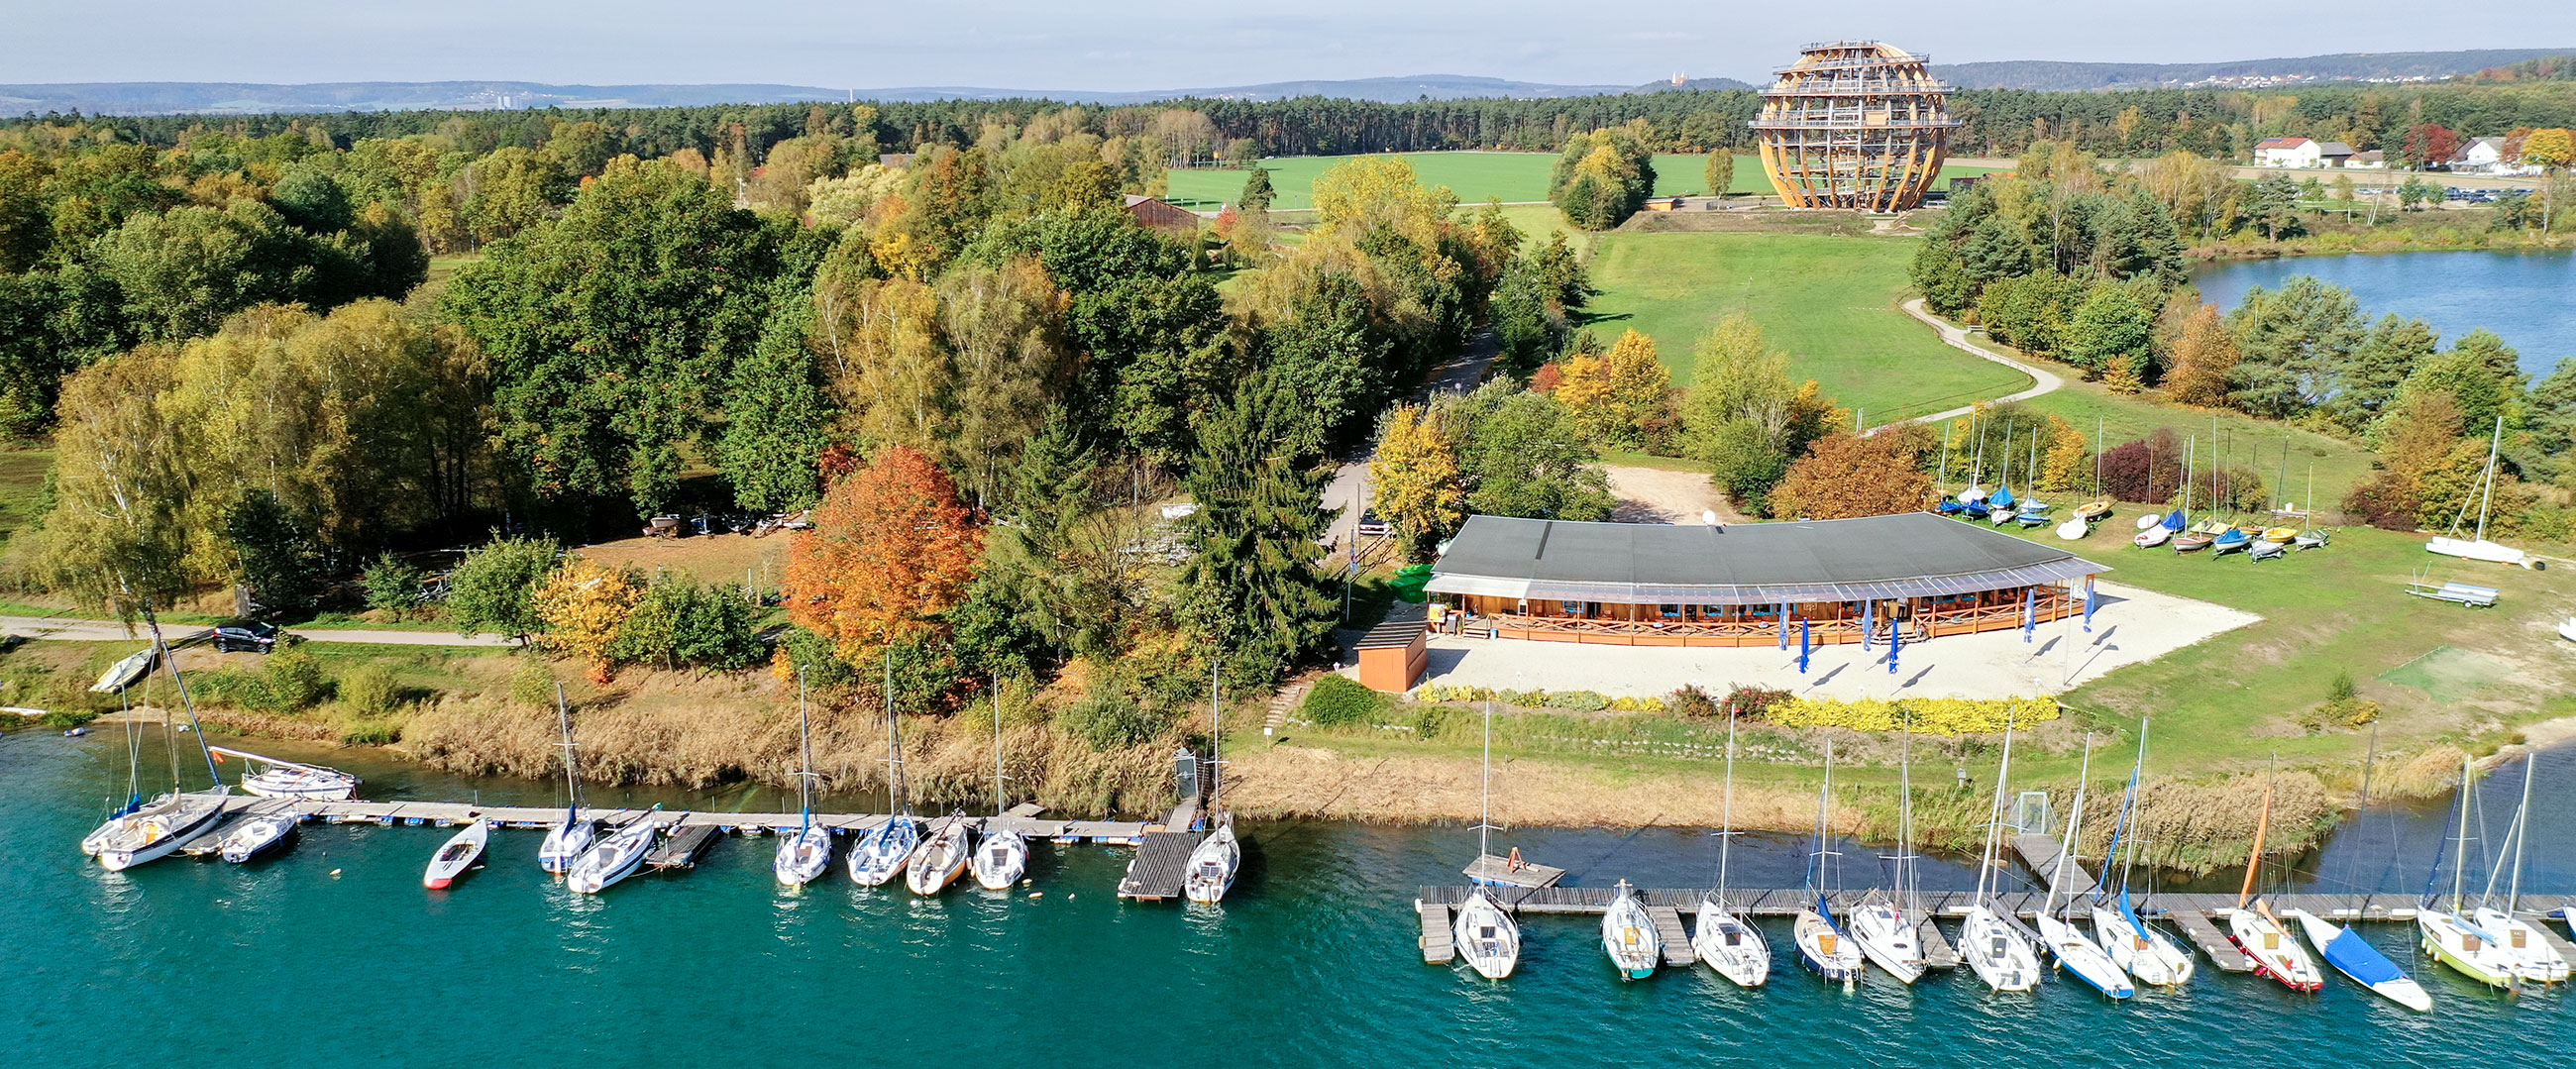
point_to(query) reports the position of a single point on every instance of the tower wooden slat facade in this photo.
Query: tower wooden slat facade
(1855, 124)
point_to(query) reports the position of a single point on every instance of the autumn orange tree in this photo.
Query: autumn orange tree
(891, 549)
(2202, 360)
(1844, 475)
(583, 604)
(1617, 395)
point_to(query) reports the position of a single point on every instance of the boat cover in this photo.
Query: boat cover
(2356, 958)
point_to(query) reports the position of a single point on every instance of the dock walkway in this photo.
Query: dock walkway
(446, 814)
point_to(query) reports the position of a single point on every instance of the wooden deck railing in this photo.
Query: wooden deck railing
(1665, 632)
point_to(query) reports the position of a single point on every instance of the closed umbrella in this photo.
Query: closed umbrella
(1806, 645)
(2029, 613)
(1895, 641)
(2092, 601)
(1868, 623)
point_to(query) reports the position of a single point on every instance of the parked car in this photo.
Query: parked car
(245, 636)
(1373, 527)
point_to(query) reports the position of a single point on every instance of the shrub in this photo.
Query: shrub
(1752, 702)
(371, 733)
(677, 621)
(1428, 721)
(533, 683)
(393, 587)
(1927, 716)
(370, 691)
(1339, 701)
(1450, 692)
(1526, 699)
(291, 682)
(1689, 700)
(1579, 700)
(1648, 704)
(1109, 718)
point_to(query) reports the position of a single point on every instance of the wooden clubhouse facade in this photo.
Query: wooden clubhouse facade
(1636, 584)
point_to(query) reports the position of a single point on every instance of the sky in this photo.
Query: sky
(1162, 44)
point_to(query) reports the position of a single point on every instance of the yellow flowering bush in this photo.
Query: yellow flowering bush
(1928, 716)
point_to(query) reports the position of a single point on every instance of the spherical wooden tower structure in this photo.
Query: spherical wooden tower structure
(1855, 124)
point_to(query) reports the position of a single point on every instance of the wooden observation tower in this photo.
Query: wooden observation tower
(1855, 124)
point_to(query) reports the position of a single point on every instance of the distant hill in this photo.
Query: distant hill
(2345, 67)
(1694, 83)
(239, 98)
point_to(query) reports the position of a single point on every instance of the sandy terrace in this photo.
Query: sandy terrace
(1654, 495)
(2131, 627)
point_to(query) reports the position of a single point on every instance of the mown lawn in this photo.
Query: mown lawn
(1831, 302)
(1474, 176)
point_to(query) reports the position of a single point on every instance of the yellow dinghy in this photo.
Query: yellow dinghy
(2094, 511)
(2280, 534)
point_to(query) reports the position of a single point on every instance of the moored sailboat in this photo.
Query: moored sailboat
(153, 831)
(2534, 959)
(2137, 947)
(573, 836)
(1735, 949)
(272, 777)
(2451, 938)
(2354, 957)
(1885, 924)
(1004, 855)
(256, 836)
(805, 855)
(1628, 935)
(1823, 947)
(2274, 951)
(1217, 858)
(882, 853)
(2075, 952)
(937, 862)
(613, 858)
(1990, 945)
(1485, 936)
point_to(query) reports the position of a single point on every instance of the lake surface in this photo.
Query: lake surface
(2528, 299)
(334, 955)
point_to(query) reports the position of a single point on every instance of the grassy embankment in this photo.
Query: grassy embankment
(1474, 176)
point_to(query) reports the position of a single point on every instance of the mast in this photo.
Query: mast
(1824, 797)
(2074, 821)
(1485, 821)
(1944, 479)
(2285, 475)
(2489, 496)
(171, 662)
(2005, 479)
(1000, 800)
(2189, 443)
(1726, 813)
(895, 794)
(805, 748)
(2460, 864)
(2521, 833)
(1216, 745)
(1995, 814)
(1905, 816)
(2262, 824)
(572, 782)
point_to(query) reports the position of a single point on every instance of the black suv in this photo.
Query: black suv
(245, 636)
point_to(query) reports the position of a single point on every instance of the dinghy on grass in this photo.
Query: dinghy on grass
(1628, 935)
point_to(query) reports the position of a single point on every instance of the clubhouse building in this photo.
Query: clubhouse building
(1754, 584)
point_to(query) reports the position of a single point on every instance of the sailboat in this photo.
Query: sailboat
(937, 862)
(457, 854)
(2479, 548)
(2452, 939)
(1004, 857)
(1484, 935)
(1884, 925)
(2074, 952)
(2259, 934)
(153, 831)
(1735, 949)
(1214, 862)
(1987, 942)
(272, 777)
(2144, 952)
(2534, 959)
(881, 854)
(569, 840)
(804, 856)
(2346, 950)
(613, 858)
(1628, 935)
(1822, 945)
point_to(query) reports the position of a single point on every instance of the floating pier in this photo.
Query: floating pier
(1506, 872)
(449, 814)
(1439, 941)
(2202, 928)
(2040, 853)
(2023, 905)
(1668, 928)
(680, 849)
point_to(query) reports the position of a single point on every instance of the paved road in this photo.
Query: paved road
(2042, 380)
(1458, 374)
(110, 631)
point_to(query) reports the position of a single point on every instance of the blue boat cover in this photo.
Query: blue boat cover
(2356, 958)
(2175, 520)
(2002, 497)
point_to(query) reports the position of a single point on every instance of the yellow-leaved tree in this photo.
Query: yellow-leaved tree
(583, 604)
(2203, 358)
(1619, 395)
(1414, 481)
(2068, 464)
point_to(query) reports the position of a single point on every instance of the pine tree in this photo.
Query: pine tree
(1257, 193)
(1254, 592)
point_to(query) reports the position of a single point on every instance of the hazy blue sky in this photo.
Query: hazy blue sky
(1152, 44)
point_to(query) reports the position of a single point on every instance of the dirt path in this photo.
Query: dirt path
(42, 627)
(2042, 380)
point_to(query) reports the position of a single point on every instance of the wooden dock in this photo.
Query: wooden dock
(448, 814)
(1439, 941)
(2213, 942)
(1501, 872)
(681, 848)
(2040, 853)
(1161, 866)
(1937, 951)
(2025, 905)
(1668, 929)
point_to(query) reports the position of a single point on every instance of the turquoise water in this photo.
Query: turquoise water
(2527, 298)
(334, 955)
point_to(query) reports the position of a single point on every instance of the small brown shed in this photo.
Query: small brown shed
(1394, 655)
(1155, 213)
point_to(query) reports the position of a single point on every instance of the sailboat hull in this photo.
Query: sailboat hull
(1001, 860)
(1826, 951)
(1996, 953)
(156, 835)
(1487, 938)
(565, 843)
(2145, 954)
(1628, 936)
(2360, 962)
(456, 855)
(2533, 958)
(1212, 866)
(2084, 958)
(803, 857)
(2455, 942)
(1888, 939)
(2275, 953)
(1735, 949)
(939, 860)
(881, 856)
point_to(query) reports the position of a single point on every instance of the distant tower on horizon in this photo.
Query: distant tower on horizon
(1855, 124)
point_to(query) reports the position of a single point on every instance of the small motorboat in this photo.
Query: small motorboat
(2280, 534)
(803, 856)
(257, 836)
(1628, 935)
(2096, 510)
(614, 858)
(2275, 953)
(2229, 541)
(2074, 529)
(2152, 537)
(1213, 865)
(1735, 949)
(566, 842)
(154, 831)
(937, 862)
(1486, 937)
(1001, 860)
(2354, 957)
(2312, 538)
(460, 853)
(881, 854)
(2260, 549)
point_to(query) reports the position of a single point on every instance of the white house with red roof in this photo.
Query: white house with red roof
(2288, 152)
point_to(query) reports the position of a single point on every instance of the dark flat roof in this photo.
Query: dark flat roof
(1910, 554)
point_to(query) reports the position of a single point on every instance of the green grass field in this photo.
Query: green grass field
(1831, 302)
(1474, 176)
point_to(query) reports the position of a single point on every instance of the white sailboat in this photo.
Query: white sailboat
(1217, 858)
(1735, 949)
(2534, 959)
(1484, 935)
(2075, 952)
(939, 860)
(2479, 548)
(1987, 942)
(1886, 926)
(256, 836)
(805, 855)
(1823, 947)
(1628, 935)
(457, 854)
(2354, 957)
(612, 859)
(2147, 954)
(1004, 856)
(272, 777)
(2275, 952)
(175, 819)
(2451, 938)
(881, 854)
(572, 837)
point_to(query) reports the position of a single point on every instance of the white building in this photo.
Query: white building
(2287, 152)
(2480, 154)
